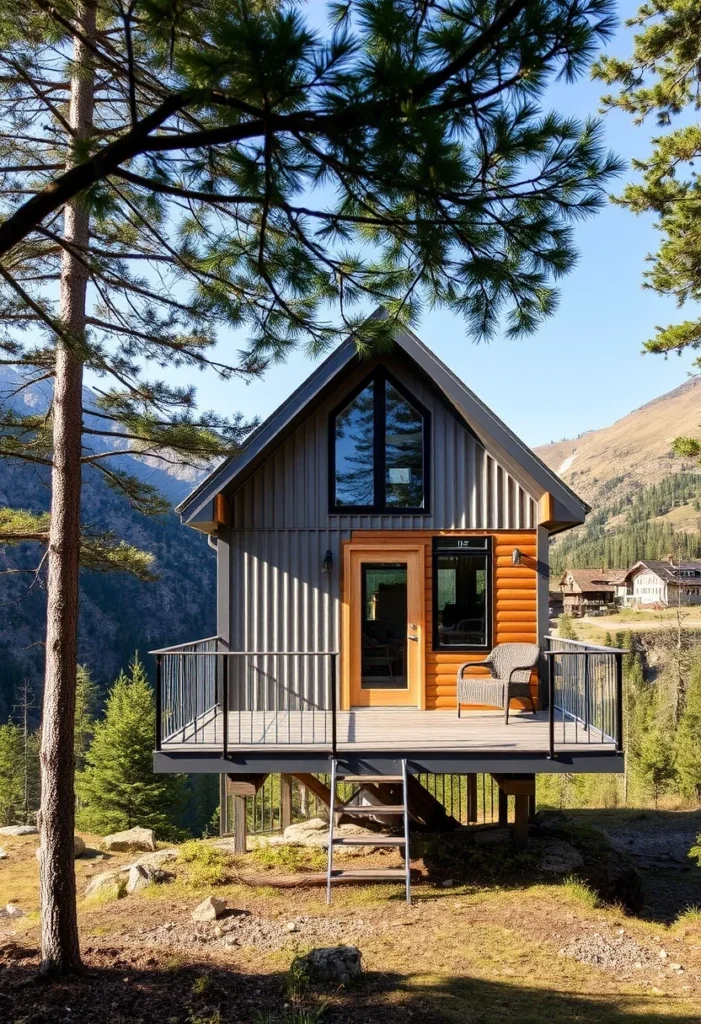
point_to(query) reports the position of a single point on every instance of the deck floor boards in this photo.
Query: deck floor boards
(390, 729)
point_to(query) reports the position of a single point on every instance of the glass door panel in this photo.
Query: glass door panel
(384, 617)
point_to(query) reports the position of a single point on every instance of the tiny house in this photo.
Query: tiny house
(380, 530)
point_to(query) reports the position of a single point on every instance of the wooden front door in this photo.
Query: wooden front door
(384, 625)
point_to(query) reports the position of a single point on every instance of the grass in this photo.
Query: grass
(206, 864)
(581, 892)
(289, 858)
(689, 918)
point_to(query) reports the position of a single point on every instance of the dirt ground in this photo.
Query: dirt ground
(519, 948)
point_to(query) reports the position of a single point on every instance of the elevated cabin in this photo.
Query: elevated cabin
(381, 528)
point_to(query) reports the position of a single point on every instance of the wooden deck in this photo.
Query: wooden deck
(386, 729)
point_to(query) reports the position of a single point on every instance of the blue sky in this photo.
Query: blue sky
(584, 368)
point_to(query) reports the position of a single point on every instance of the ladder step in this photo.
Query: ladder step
(369, 809)
(369, 778)
(365, 874)
(375, 841)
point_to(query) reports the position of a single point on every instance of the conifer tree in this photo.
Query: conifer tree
(170, 171)
(687, 743)
(118, 788)
(654, 765)
(660, 83)
(11, 774)
(85, 708)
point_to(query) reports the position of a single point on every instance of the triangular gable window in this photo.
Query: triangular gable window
(379, 450)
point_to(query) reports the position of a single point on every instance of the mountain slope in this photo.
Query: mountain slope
(615, 460)
(118, 614)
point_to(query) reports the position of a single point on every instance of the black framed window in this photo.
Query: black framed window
(379, 448)
(462, 593)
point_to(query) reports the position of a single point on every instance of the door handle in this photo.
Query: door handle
(415, 638)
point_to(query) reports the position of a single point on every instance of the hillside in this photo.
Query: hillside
(118, 614)
(615, 460)
(646, 503)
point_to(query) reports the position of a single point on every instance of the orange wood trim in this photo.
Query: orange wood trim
(546, 509)
(222, 511)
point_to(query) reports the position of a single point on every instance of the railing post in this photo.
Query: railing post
(225, 705)
(587, 693)
(551, 707)
(159, 700)
(333, 705)
(619, 703)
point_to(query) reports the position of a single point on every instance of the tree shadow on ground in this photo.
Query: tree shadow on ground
(156, 986)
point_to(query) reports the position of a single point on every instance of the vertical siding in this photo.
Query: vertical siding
(281, 529)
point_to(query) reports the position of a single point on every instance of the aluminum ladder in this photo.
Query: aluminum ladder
(375, 811)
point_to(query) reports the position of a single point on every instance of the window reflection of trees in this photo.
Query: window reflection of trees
(355, 455)
(403, 452)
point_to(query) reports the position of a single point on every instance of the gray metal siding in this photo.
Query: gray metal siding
(469, 489)
(279, 599)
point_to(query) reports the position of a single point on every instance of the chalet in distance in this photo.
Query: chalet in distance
(663, 582)
(381, 531)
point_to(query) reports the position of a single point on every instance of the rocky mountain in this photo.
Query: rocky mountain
(118, 614)
(646, 502)
(633, 451)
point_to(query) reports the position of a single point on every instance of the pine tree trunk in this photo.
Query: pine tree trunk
(59, 923)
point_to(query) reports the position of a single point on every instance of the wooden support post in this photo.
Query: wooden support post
(503, 807)
(223, 806)
(521, 802)
(240, 824)
(285, 801)
(472, 797)
(532, 803)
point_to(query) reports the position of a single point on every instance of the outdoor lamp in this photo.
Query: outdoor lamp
(516, 557)
(327, 564)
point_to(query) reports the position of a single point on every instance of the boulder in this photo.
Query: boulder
(338, 965)
(108, 884)
(19, 830)
(156, 859)
(11, 911)
(79, 848)
(3, 853)
(131, 841)
(315, 833)
(492, 836)
(614, 876)
(560, 858)
(209, 909)
(142, 875)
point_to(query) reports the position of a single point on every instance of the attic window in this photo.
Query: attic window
(379, 450)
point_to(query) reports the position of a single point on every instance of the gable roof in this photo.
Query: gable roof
(667, 571)
(568, 509)
(593, 579)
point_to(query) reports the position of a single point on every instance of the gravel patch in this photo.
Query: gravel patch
(243, 929)
(622, 955)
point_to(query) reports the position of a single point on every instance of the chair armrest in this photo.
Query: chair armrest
(473, 664)
(520, 668)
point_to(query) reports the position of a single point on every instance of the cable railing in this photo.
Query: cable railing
(585, 694)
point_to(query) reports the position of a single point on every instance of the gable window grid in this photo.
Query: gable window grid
(378, 380)
(464, 547)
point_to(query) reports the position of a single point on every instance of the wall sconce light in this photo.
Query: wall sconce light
(516, 557)
(327, 564)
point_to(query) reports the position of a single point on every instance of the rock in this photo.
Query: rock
(551, 823)
(79, 848)
(209, 909)
(19, 830)
(676, 967)
(108, 883)
(132, 840)
(12, 911)
(336, 964)
(447, 883)
(138, 878)
(156, 859)
(560, 859)
(614, 877)
(492, 836)
(663, 954)
(315, 833)
(3, 853)
(292, 926)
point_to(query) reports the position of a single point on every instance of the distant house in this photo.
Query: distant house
(590, 590)
(663, 582)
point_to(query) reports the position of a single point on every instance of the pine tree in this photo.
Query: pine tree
(11, 774)
(565, 628)
(661, 81)
(85, 708)
(260, 176)
(654, 765)
(687, 744)
(117, 787)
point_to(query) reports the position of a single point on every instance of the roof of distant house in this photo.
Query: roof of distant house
(668, 571)
(592, 579)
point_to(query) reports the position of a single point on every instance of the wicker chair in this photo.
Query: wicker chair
(510, 666)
